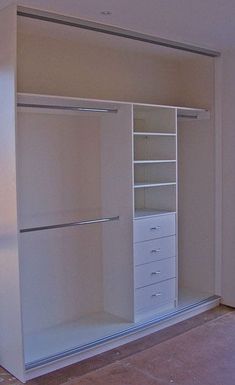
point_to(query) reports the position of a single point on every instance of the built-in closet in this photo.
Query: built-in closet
(107, 191)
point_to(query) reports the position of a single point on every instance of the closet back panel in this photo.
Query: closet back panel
(60, 60)
(196, 205)
(196, 156)
(59, 181)
(150, 119)
(59, 167)
(155, 173)
(62, 276)
(152, 148)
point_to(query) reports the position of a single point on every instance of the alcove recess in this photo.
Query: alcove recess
(69, 292)
(69, 62)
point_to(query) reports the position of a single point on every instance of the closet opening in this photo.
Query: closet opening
(102, 140)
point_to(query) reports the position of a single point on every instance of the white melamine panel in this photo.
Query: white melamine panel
(196, 205)
(59, 167)
(155, 173)
(154, 296)
(155, 227)
(155, 148)
(11, 350)
(58, 339)
(61, 60)
(159, 198)
(196, 152)
(196, 85)
(62, 271)
(154, 272)
(117, 199)
(59, 182)
(157, 249)
(149, 119)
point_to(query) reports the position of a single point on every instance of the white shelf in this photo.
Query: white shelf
(67, 336)
(142, 133)
(146, 185)
(50, 342)
(143, 213)
(154, 161)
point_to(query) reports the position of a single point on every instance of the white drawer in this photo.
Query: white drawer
(154, 272)
(154, 227)
(153, 296)
(153, 250)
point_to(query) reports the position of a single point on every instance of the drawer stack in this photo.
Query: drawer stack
(155, 263)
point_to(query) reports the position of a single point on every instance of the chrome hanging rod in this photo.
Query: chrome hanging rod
(68, 108)
(110, 30)
(71, 224)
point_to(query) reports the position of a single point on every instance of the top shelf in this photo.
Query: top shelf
(58, 100)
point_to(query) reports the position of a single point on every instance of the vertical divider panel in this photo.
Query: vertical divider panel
(11, 345)
(116, 169)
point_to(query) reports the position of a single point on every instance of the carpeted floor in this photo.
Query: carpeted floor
(198, 351)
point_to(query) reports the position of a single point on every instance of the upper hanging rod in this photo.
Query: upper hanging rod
(68, 108)
(110, 30)
(71, 224)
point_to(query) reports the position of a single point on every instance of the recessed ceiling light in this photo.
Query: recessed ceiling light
(106, 13)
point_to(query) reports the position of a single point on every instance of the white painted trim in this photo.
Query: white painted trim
(218, 174)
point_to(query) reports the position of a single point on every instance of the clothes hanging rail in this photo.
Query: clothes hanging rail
(68, 108)
(187, 116)
(71, 224)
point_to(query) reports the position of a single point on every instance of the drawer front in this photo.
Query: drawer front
(153, 250)
(154, 227)
(154, 272)
(152, 297)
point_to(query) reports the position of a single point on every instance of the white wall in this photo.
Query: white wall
(228, 148)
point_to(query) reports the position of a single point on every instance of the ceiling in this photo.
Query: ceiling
(208, 23)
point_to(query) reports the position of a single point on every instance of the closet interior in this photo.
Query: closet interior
(115, 189)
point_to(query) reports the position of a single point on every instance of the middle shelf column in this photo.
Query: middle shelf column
(155, 209)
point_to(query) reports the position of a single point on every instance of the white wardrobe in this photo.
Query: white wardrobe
(108, 207)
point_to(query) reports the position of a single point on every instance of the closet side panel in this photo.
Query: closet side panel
(117, 199)
(11, 353)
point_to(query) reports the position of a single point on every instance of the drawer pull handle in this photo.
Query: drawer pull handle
(157, 295)
(155, 272)
(155, 251)
(155, 228)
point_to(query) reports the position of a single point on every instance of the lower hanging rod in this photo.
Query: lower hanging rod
(68, 108)
(71, 224)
